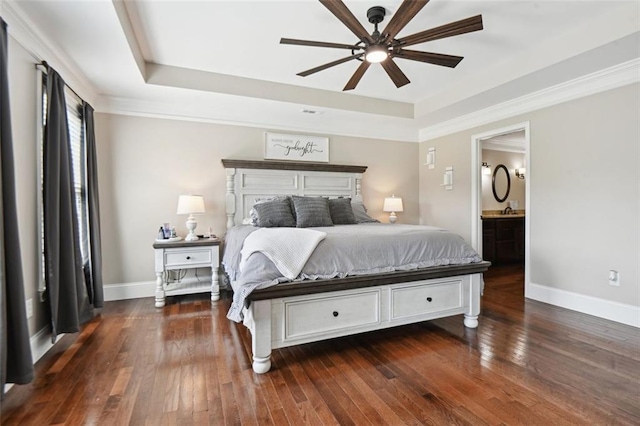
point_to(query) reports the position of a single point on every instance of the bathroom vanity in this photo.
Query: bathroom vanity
(503, 238)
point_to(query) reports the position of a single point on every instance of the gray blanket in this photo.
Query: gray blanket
(347, 250)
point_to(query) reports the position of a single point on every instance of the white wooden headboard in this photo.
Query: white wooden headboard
(250, 180)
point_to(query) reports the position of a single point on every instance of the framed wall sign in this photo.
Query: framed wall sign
(280, 146)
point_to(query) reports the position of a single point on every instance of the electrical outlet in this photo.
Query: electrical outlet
(614, 277)
(29, 304)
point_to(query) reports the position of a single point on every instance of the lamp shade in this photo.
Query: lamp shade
(392, 204)
(188, 204)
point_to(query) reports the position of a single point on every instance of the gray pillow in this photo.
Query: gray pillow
(341, 211)
(275, 213)
(312, 211)
(360, 213)
(253, 214)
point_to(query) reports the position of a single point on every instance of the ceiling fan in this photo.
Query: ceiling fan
(382, 47)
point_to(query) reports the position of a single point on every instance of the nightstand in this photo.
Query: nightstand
(171, 256)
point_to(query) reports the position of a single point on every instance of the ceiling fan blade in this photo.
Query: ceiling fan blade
(338, 8)
(355, 78)
(328, 65)
(431, 58)
(319, 44)
(448, 30)
(398, 77)
(407, 10)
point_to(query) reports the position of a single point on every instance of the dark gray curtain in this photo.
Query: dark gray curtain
(16, 364)
(66, 289)
(93, 267)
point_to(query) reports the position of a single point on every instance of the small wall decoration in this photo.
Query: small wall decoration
(280, 146)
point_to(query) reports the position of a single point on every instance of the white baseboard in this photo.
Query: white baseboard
(41, 343)
(129, 290)
(601, 308)
(137, 290)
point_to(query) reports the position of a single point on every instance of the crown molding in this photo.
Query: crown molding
(25, 32)
(608, 79)
(200, 112)
(601, 81)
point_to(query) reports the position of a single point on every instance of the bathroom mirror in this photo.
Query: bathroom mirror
(501, 183)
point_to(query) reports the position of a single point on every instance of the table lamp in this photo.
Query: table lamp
(191, 204)
(393, 204)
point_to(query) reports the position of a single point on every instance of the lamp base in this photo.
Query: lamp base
(191, 226)
(191, 237)
(393, 218)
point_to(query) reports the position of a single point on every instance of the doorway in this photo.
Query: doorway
(515, 138)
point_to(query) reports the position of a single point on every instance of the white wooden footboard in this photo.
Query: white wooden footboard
(288, 321)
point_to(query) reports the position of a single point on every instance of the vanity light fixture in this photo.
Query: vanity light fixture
(486, 168)
(520, 173)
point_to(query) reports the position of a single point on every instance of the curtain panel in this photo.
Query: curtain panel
(93, 267)
(66, 289)
(16, 364)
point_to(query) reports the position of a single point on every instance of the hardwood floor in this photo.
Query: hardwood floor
(527, 363)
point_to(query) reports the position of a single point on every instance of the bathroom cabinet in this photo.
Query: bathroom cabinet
(503, 240)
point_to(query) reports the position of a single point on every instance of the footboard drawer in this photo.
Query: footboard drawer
(326, 315)
(423, 299)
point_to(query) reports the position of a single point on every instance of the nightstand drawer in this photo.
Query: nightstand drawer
(425, 299)
(187, 257)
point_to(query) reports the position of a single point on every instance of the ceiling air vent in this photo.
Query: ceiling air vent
(311, 111)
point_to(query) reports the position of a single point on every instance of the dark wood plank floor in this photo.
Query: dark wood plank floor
(527, 363)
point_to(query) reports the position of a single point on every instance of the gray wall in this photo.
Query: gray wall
(584, 192)
(145, 163)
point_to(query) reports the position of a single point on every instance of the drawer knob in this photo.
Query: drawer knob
(429, 299)
(188, 257)
(335, 313)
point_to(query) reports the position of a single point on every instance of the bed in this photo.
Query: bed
(291, 310)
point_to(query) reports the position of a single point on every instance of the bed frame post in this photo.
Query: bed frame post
(471, 316)
(358, 196)
(230, 197)
(261, 335)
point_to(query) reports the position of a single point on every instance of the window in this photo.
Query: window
(75, 121)
(77, 141)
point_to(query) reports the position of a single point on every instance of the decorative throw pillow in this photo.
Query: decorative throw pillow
(360, 213)
(341, 211)
(253, 214)
(275, 213)
(312, 211)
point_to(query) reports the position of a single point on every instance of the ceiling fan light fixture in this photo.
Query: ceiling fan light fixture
(376, 54)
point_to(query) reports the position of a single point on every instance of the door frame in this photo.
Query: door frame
(476, 191)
